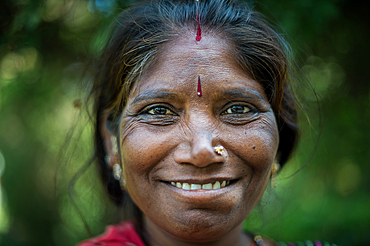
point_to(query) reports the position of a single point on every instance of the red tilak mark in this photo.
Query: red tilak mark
(199, 31)
(199, 92)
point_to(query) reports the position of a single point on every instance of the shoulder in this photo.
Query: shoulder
(123, 234)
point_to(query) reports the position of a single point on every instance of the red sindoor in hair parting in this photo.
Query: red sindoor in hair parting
(199, 30)
(198, 38)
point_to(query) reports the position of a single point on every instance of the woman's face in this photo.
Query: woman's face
(168, 134)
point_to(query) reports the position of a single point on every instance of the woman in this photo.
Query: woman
(194, 115)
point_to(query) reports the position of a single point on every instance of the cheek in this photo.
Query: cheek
(142, 150)
(262, 140)
(138, 151)
(136, 161)
(257, 144)
(263, 146)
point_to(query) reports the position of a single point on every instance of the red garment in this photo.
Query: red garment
(123, 234)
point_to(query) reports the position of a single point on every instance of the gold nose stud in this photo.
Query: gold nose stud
(219, 150)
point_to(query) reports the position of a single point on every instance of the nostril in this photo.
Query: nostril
(182, 154)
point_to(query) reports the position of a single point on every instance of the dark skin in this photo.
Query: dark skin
(167, 134)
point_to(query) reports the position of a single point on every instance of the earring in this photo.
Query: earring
(118, 174)
(107, 159)
(219, 150)
(258, 240)
(274, 170)
(117, 169)
(113, 140)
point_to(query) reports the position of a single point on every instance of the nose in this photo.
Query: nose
(199, 151)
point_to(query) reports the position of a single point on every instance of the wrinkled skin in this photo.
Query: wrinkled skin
(167, 133)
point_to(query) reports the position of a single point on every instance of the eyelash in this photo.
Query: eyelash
(148, 111)
(246, 109)
(229, 110)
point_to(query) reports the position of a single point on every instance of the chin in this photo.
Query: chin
(201, 226)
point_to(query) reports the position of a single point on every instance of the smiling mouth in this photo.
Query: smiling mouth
(210, 186)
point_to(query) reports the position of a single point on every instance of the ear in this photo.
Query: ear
(110, 142)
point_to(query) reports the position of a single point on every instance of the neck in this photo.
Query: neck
(158, 237)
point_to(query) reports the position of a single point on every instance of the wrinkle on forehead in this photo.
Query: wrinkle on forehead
(196, 57)
(198, 52)
(184, 59)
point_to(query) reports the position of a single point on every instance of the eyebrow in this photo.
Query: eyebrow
(242, 93)
(154, 94)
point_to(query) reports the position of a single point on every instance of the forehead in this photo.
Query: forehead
(196, 57)
(183, 59)
(189, 52)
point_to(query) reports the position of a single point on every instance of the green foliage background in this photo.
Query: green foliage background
(43, 47)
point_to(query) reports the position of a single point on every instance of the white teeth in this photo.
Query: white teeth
(185, 186)
(216, 185)
(209, 186)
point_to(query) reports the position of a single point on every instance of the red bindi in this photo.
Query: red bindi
(199, 91)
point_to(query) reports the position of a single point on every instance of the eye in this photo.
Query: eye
(159, 110)
(158, 114)
(237, 109)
